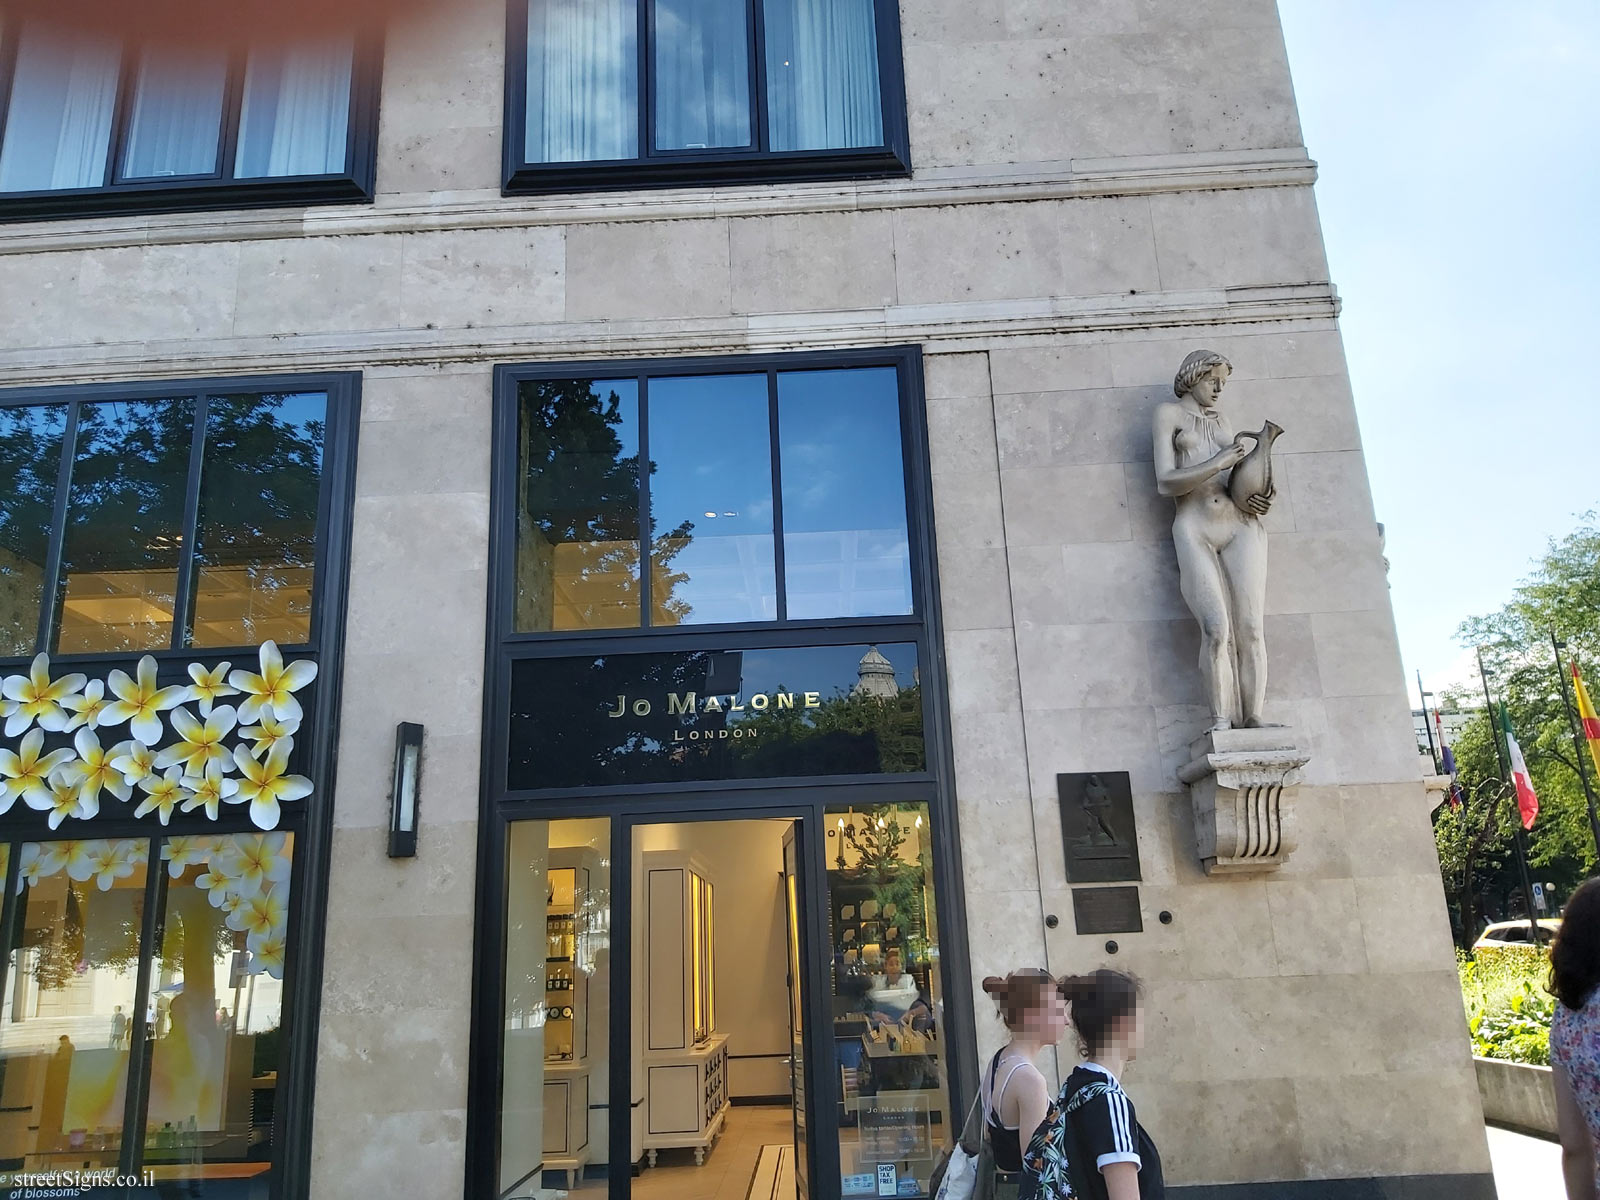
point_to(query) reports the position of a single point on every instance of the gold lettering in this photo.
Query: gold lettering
(712, 704)
(722, 733)
(737, 707)
(759, 702)
(738, 732)
(694, 735)
(622, 707)
(785, 699)
(677, 735)
(677, 703)
(641, 708)
(813, 699)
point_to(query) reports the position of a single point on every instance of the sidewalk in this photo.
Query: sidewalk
(1525, 1168)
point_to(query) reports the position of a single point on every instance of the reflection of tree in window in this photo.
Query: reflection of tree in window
(30, 460)
(578, 524)
(851, 733)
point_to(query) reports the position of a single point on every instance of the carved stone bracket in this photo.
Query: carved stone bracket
(1242, 784)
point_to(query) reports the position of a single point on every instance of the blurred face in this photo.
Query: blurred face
(892, 965)
(1130, 1031)
(1045, 1018)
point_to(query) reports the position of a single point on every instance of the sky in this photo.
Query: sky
(1458, 145)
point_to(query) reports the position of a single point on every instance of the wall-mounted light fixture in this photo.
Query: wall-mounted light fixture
(407, 778)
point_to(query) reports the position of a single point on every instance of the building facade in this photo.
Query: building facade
(725, 431)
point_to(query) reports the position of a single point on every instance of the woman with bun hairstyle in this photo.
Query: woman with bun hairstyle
(1575, 1040)
(1014, 1093)
(1091, 1146)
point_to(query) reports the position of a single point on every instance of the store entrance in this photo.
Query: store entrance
(718, 1032)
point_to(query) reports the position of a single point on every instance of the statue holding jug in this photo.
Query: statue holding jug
(1223, 488)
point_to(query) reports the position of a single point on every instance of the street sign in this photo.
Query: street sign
(1538, 897)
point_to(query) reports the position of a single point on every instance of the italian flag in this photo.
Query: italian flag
(1591, 722)
(1527, 799)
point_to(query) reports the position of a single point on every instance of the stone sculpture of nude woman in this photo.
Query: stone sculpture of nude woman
(1222, 546)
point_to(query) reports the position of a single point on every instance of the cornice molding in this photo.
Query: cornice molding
(967, 325)
(1144, 175)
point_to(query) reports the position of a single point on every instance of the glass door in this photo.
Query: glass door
(793, 890)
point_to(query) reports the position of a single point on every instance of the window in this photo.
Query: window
(754, 496)
(630, 92)
(88, 124)
(147, 522)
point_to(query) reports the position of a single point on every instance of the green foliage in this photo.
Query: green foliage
(1508, 1010)
(1476, 845)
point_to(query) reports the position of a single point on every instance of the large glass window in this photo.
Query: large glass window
(187, 126)
(721, 551)
(556, 1086)
(187, 521)
(733, 89)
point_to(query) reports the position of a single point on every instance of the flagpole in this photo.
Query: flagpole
(1520, 839)
(1426, 724)
(1578, 743)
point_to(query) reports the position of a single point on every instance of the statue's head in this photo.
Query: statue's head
(1202, 375)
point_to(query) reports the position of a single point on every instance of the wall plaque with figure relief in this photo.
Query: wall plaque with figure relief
(1098, 834)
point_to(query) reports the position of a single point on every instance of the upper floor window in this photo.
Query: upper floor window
(91, 123)
(707, 496)
(630, 92)
(158, 518)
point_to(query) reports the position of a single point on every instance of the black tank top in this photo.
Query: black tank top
(1005, 1143)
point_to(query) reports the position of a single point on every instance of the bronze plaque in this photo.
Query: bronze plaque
(1107, 910)
(1097, 827)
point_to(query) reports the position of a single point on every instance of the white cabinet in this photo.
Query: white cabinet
(571, 915)
(681, 1061)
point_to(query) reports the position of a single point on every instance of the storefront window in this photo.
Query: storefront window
(554, 1131)
(716, 714)
(888, 999)
(30, 461)
(709, 490)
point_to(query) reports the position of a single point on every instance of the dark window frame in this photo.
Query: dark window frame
(906, 363)
(356, 184)
(311, 822)
(693, 168)
(805, 799)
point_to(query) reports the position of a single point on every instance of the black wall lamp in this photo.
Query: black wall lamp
(407, 778)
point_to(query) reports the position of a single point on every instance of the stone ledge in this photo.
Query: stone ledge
(938, 328)
(1391, 1187)
(431, 212)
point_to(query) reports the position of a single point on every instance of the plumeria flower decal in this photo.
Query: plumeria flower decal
(111, 861)
(164, 793)
(135, 760)
(36, 698)
(259, 915)
(272, 691)
(209, 790)
(61, 799)
(93, 772)
(266, 954)
(201, 743)
(268, 732)
(89, 707)
(257, 861)
(209, 686)
(75, 858)
(139, 701)
(181, 853)
(25, 773)
(265, 785)
(36, 863)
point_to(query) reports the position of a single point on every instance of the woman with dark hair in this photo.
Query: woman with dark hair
(1014, 1094)
(1091, 1146)
(1575, 1040)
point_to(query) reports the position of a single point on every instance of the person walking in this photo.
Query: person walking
(1575, 1040)
(1014, 1093)
(1091, 1145)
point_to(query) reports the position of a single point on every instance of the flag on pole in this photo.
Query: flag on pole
(1449, 762)
(1586, 714)
(1527, 799)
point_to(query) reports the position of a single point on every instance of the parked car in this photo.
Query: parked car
(1516, 933)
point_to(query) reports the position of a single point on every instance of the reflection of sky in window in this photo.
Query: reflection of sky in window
(702, 74)
(846, 552)
(710, 445)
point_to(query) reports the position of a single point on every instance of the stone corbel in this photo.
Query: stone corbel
(1242, 784)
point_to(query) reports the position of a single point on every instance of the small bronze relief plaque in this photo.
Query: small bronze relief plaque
(1097, 827)
(1107, 910)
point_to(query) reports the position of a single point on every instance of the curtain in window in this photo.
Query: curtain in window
(177, 112)
(59, 125)
(296, 113)
(583, 80)
(702, 74)
(822, 74)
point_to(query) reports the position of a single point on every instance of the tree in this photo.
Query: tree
(1476, 852)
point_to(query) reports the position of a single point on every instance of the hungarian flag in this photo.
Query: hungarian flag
(1527, 799)
(1591, 723)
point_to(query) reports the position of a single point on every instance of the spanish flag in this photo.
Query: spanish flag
(1586, 714)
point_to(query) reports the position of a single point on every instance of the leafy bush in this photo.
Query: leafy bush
(1508, 1010)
